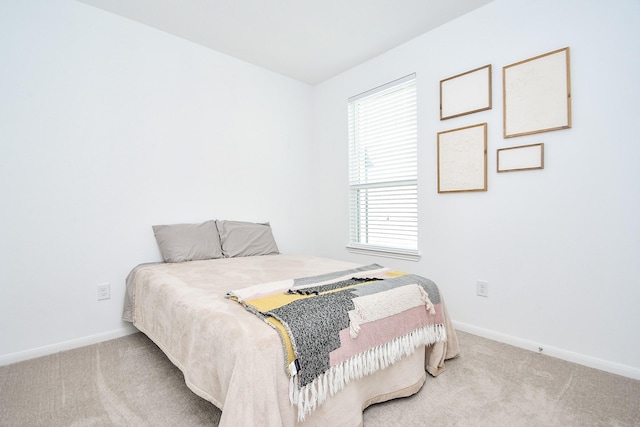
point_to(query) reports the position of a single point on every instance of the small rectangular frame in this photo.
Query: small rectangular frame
(520, 158)
(462, 159)
(537, 94)
(466, 93)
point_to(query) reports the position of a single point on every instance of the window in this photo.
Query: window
(383, 184)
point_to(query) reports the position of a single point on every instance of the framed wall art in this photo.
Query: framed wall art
(465, 93)
(462, 159)
(523, 157)
(537, 94)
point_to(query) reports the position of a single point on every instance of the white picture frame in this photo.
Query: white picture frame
(466, 93)
(462, 159)
(520, 158)
(537, 94)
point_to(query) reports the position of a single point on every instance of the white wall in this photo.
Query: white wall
(560, 247)
(108, 127)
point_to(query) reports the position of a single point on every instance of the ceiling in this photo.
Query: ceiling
(307, 40)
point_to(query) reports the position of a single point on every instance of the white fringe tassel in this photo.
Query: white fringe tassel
(314, 394)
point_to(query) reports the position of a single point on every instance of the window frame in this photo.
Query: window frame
(395, 182)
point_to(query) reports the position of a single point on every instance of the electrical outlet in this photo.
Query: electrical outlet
(103, 291)
(482, 288)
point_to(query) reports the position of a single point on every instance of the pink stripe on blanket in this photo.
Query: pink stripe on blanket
(379, 332)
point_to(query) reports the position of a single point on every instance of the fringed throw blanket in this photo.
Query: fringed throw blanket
(341, 326)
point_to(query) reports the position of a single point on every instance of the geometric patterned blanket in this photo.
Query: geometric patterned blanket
(341, 326)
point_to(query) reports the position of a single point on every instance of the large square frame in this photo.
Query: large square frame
(537, 94)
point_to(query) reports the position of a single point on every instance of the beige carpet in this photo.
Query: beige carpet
(129, 382)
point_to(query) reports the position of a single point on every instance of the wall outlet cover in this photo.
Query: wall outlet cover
(104, 291)
(482, 288)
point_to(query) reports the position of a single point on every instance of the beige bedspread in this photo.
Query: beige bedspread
(234, 360)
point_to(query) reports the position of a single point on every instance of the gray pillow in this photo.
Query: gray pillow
(188, 242)
(240, 238)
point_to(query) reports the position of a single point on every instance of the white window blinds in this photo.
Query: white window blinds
(383, 168)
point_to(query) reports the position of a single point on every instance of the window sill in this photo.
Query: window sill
(386, 252)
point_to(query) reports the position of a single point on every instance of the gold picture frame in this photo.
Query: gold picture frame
(536, 94)
(462, 159)
(465, 93)
(520, 158)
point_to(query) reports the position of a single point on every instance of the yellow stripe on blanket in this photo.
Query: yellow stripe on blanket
(286, 341)
(395, 273)
(269, 302)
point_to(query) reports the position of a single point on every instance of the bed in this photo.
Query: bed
(230, 357)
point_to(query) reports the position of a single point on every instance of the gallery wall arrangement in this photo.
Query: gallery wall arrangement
(536, 98)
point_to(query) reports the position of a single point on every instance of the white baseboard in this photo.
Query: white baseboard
(65, 345)
(580, 359)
